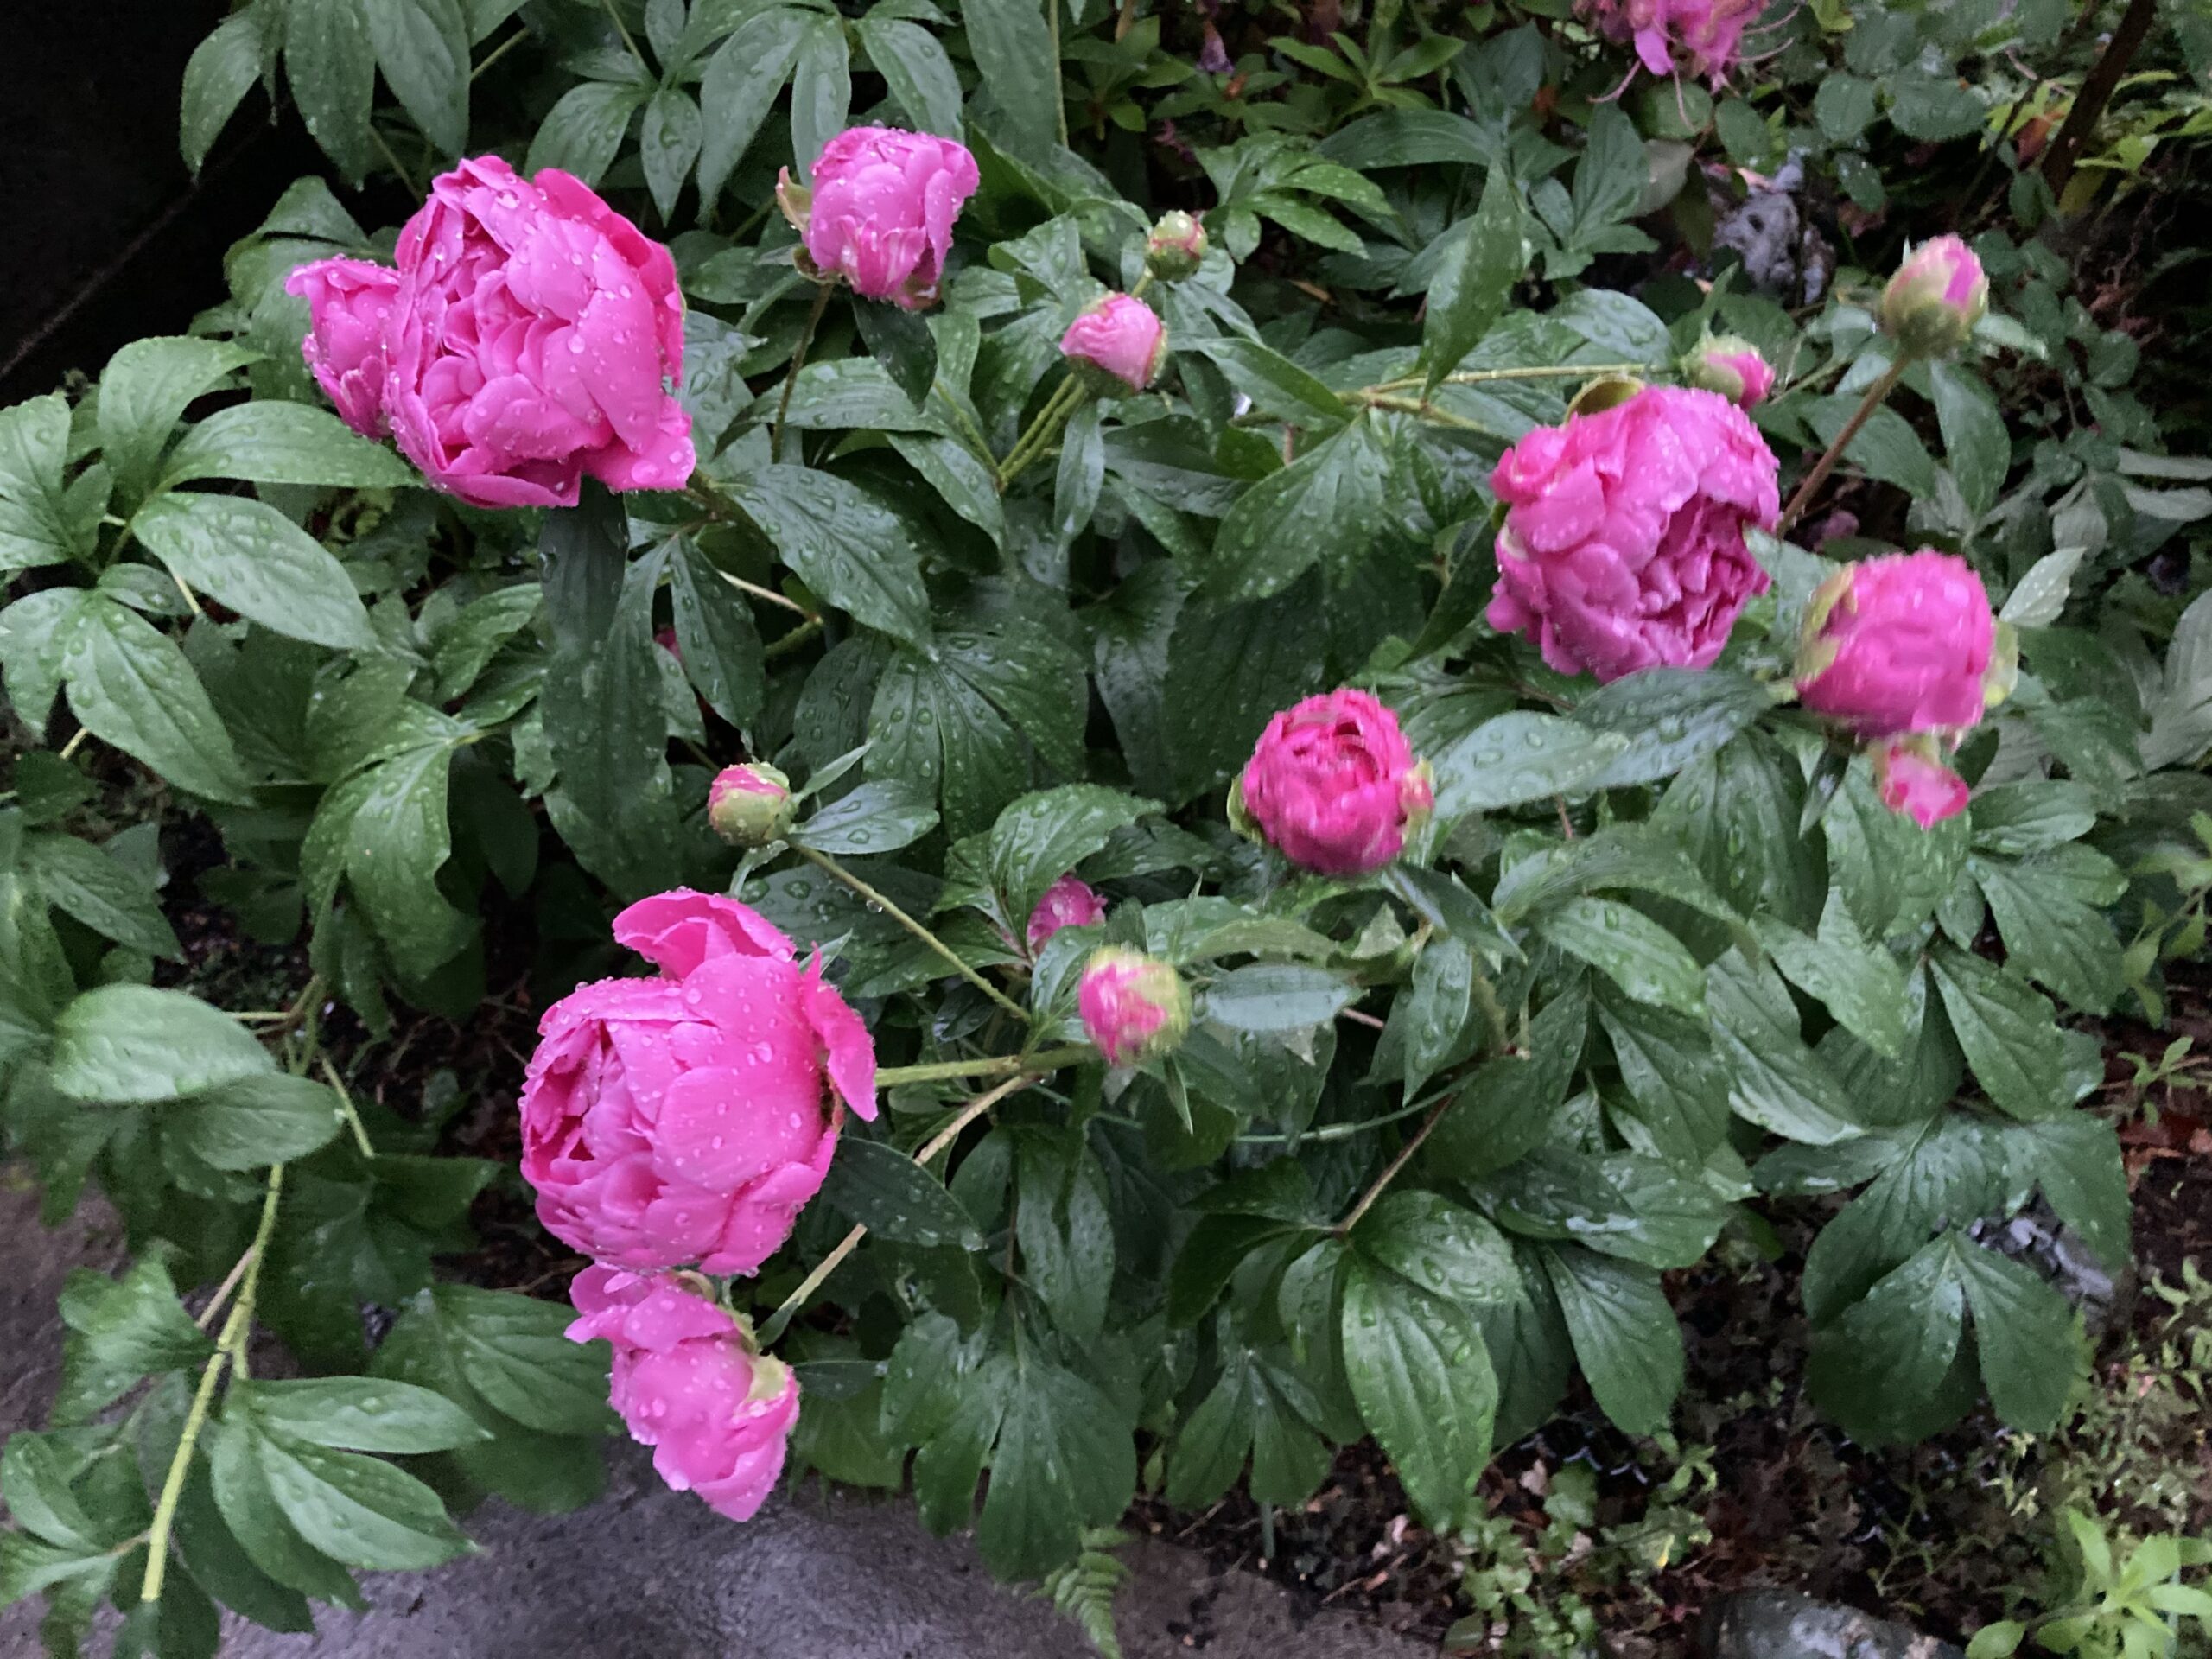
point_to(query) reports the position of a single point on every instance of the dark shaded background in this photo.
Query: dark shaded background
(110, 237)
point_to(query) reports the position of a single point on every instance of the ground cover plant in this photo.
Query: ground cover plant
(1202, 731)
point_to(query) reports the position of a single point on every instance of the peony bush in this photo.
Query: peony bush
(1170, 805)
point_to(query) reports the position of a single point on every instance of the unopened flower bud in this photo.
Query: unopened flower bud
(750, 805)
(1913, 781)
(1731, 366)
(1134, 1007)
(1176, 248)
(1932, 304)
(1119, 341)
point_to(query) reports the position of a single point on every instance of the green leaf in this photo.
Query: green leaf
(331, 70)
(1277, 386)
(248, 1508)
(122, 1331)
(397, 840)
(1736, 811)
(276, 442)
(1863, 985)
(143, 390)
(1975, 442)
(1062, 1225)
(94, 888)
(1670, 716)
(714, 633)
(1521, 757)
(821, 91)
(2031, 816)
(221, 72)
(851, 549)
(2077, 1161)
(1625, 1336)
(2024, 1333)
(1229, 667)
(357, 1413)
(125, 1044)
(668, 145)
(1775, 1081)
(1486, 256)
(917, 73)
(1886, 447)
(2050, 936)
(1885, 1370)
(2009, 1031)
(875, 818)
(1065, 1460)
(1042, 837)
(1276, 996)
(894, 1197)
(740, 89)
(1938, 1173)
(472, 638)
(1435, 1007)
(1331, 499)
(254, 1121)
(356, 1509)
(2000, 1640)
(130, 686)
(1423, 1382)
(1634, 951)
(1013, 55)
(37, 526)
(1891, 872)
(251, 557)
(582, 134)
(514, 1351)
(1444, 1248)
(1678, 1083)
(423, 46)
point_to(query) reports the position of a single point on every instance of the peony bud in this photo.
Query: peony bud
(750, 805)
(1932, 304)
(1731, 366)
(1120, 337)
(1134, 1007)
(1897, 645)
(1069, 902)
(880, 211)
(1176, 248)
(1914, 784)
(1333, 785)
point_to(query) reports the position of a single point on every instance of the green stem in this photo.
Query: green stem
(1543, 371)
(799, 362)
(784, 644)
(1875, 395)
(623, 29)
(500, 51)
(769, 595)
(1336, 1131)
(777, 1322)
(1405, 1156)
(1045, 428)
(830, 867)
(1059, 93)
(345, 1101)
(997, 1065)
(231, 1344)
(1416, 406)
(406, 178)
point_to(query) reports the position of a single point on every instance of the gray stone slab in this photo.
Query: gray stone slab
(657, 1574)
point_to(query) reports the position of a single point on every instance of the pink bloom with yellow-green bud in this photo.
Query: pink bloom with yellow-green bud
(881, 212)
(1731, 366)
(750, 805)
(1901, 643)
(1176, 247)
(1914, 782)
(1120, 336)
(689, 1383)
(1069, 902)
(1333, 785)
(1134, 1007)
(1939, 293)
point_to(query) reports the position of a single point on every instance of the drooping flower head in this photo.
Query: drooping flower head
(1622, 546)
(1914, 782)
(688, 1382)
(1692, 37)
(1731, 366)
(1938, 294)
(348, 301)
(750, 805)
(1120, 336)
(1134, 1007)
(1333, 785)
(536, 337)
(1069, 902)
(689, 1116)
(1900, 643)
(880, 214)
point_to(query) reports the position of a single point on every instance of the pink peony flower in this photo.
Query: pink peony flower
(1916, 785)
(1623, 541)
(681, 1118)
(1121, 336)
(347, 303)
(1134, 1007)
(1938, 294)
(533, 339)
(1898, 644)
(881, 212)
(1697, 37)
(1731, 366)
(688, 1384)
(750, 805)
(1069, 902)
(1333, 785)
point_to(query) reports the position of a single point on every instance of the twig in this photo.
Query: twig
(1390, 1174)
(831, 867)
(799, 362)
(1051, 1059)
(2097, 88)
(1872, 401)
